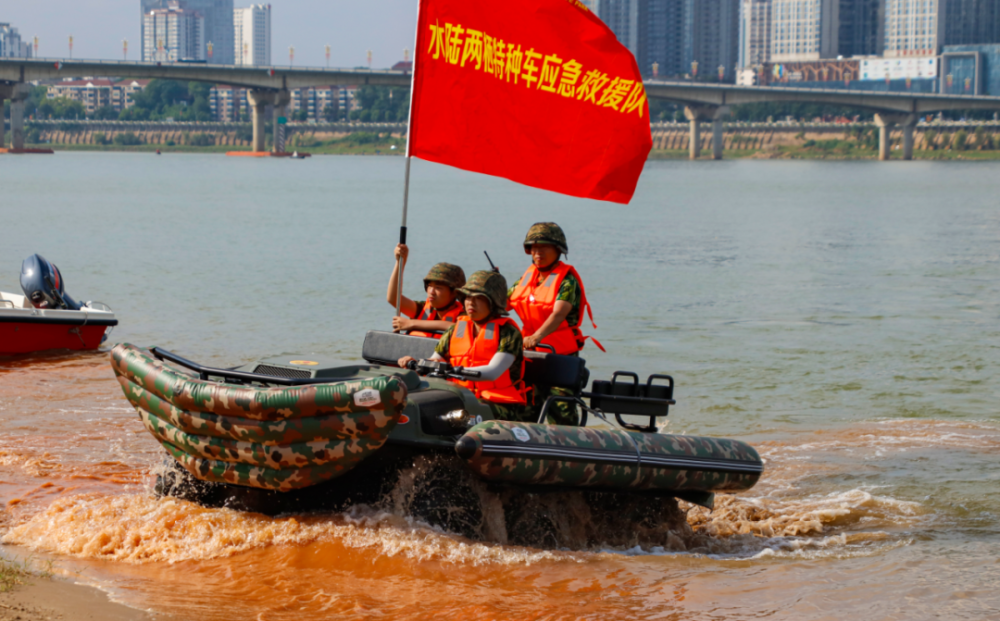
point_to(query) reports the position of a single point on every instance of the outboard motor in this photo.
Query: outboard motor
(43, 285)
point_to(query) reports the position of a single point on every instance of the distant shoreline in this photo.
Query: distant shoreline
(782, 152)
(813, 141)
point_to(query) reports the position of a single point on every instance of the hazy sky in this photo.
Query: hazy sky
(350, 28)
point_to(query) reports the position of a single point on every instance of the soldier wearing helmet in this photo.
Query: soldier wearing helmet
(441, 308)
(550, 300)
(484, 340)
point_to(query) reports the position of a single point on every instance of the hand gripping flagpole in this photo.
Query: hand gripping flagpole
(406, 182)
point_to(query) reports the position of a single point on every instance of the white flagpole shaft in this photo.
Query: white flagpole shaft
(402, 239)
(406, 183)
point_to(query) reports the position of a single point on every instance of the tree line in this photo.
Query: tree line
(189, 101)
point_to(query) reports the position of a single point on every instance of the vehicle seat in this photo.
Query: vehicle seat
(544, 369)
(388, 347)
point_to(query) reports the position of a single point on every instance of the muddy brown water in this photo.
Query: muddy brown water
(841, 317)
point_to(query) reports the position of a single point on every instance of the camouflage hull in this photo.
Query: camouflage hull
(552, 455)
(279, 439)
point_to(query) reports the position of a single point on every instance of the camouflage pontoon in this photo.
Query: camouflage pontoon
(296, 433)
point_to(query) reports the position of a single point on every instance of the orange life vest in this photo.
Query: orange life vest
(468, 351)
(535, 302)
(451, 313)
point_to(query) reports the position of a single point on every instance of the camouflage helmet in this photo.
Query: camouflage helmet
(451, 275)
(490, 284)
(546, 233)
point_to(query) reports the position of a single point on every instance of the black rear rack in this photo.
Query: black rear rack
(624, 399)
(237, 376)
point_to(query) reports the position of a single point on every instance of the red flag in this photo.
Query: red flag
(536, 91)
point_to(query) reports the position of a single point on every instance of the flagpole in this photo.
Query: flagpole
(406, 182)
(402, 228)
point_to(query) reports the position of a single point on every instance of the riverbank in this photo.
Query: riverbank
(776, 152)
(811, 153)
(31, 594)
(48, 599)
(376, 149)
(852, 141)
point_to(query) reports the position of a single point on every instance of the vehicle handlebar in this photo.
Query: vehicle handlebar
(439, 368)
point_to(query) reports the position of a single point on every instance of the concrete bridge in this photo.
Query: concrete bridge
(269, 85)
(711, 102)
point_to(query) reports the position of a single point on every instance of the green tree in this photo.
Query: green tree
(800, 111)
(127, 139)
(660, 110)
(958, 140)
(300, 115)
(331, 113)
(981, 140)
(163, 99)
(61, 108)
(38, 95)
(134, 113)
(201, 140)
(381, 104)
(930, 137)
(104, 113)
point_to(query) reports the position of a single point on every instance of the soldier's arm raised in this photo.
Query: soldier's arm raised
(408, 306)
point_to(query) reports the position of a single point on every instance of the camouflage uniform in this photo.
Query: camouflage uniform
(560, 412)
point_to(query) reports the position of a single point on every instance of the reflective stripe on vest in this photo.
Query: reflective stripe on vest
(453, 311)
(467, 350)
(534, 304)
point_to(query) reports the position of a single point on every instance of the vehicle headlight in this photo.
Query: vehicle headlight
(460, 420)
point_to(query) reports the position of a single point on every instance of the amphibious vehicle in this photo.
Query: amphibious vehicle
(300, 433)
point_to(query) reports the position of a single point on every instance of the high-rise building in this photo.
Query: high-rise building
(252, 35)
(670, 35)
(807, 30)
(173, 34)
(803, 30)
(971, 22)
(218, 31)
(755, 33)
(861, 28)
(11, 45)
(624, 19)
(913, 27)
(715, 37)
(663, 39)
(923, 27)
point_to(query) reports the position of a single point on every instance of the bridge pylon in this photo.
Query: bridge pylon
(696, 114)
(17, 93)
(259, 100)
(885, 122)
(281, 100)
